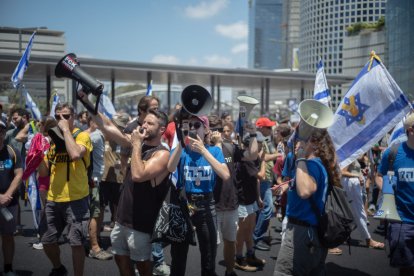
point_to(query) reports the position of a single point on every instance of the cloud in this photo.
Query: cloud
(165, 59)
(216, 60)
(237, 30)
(206, 9)
(239, 48)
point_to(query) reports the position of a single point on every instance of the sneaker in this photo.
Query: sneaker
(61, 271)
(261, 245)
(230, 273)
(161, 270)
(252, 260)
(38, 245)
(243, 265)
(100, 255)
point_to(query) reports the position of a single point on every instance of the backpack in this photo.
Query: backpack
(336, 223)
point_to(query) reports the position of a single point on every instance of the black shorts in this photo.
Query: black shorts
(109, 192)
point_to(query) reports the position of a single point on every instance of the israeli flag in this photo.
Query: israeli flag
(106, 107)
(373, 105)
(398, 134)
(56, 100)
(174, 175)
(149, 89)
(321, 91)
(18, 73)
(31, 105)
(34, 198)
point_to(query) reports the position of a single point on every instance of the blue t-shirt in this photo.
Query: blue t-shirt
(301, 209)
(403, 168)
(194, 170)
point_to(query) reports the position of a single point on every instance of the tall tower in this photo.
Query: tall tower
(265, 34)
(399, 24)
(323, 28)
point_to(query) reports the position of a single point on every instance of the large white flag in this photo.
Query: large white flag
(373, 105)
(31, 105)
(321, 90)
(18, 73)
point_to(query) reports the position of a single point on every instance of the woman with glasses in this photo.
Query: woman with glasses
(198, 164)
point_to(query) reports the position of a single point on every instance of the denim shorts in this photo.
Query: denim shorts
(75, 214)
(401, 239)
(246, 210)
(129, 242)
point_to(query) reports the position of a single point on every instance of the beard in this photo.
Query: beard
(151, 136)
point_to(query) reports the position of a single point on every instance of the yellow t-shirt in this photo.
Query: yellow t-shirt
(60, 189)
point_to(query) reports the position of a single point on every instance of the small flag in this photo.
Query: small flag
(18, 73)
(398, 134)
(174, 175)
(56, 100)
(34, 198)
(360, 121)
(106, 107)
(149, 89)
(321, 90)
(31, 105)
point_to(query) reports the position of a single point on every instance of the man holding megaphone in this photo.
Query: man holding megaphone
(401, 234)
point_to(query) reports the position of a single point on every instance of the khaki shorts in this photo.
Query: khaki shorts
(129, 242)
(227, 224)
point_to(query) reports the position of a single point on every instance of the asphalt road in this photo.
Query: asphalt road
(361, 262)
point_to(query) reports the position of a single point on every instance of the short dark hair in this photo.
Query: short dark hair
(21, 112)
(61, 106)
(144, 103)
(162, 117)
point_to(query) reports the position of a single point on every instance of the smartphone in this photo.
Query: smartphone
(192, 134)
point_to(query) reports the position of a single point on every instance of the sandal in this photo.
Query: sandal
(376, 245)
(335, 251)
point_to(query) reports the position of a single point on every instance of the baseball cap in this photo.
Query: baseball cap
(259, 137)
(120, 120)
(409, 121)
(204, 120)
(264, 122)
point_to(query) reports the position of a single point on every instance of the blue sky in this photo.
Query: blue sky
(184, 32)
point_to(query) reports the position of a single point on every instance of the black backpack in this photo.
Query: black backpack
(337, 222)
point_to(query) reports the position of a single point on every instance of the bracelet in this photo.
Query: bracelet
(300, 159)
(253, 135)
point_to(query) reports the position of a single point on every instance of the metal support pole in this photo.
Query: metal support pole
(262, 97)
(48, 91)
(169, 92)
(267, 95)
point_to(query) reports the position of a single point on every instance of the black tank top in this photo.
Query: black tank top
(139, 202)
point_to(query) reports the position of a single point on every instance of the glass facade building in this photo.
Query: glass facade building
(399, 24)
(265, 34)
(323, 28)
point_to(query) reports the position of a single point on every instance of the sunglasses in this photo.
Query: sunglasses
(65, 116)
(196, 125)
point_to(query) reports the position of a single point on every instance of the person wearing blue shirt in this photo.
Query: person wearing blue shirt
(198, 165)
(301, 252)
(401, 234)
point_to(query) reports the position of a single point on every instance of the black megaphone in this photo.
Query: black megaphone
(196, 100)
(68, 67)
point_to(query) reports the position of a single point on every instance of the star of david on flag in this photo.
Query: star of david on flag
(373, 105)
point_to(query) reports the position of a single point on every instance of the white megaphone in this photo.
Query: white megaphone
(246, 105)
(387, 209)
(313, 114)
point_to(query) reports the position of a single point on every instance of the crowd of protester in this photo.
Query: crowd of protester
(235, 186)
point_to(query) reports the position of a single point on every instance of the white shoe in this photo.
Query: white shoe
(161, 270)
(38, 245)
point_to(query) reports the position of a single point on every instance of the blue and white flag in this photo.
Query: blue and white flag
(398, 134)
(321, 91)
(106, 107)
(31, 105)
(56, 100)
(34, 198)
(174, 175)
(373, 105)
(149, 89)
(18, 73)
